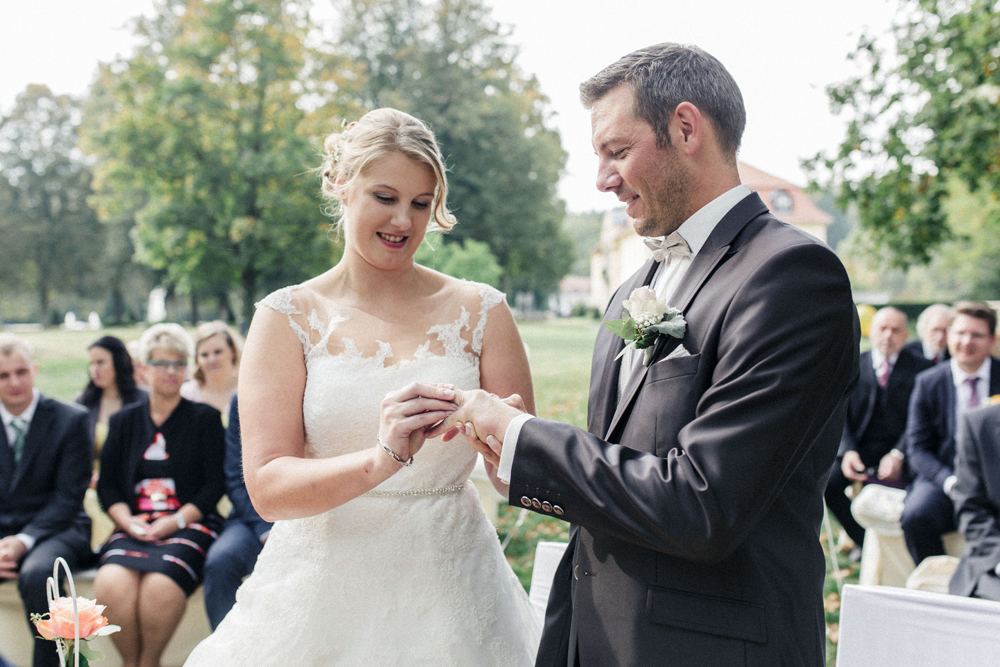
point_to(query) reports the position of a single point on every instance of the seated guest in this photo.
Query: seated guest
(46, 453)
(932, 333)
(874, 440)
(977, 504)
(217, 356)
(161, 478)
(941, 396)
(232, 557)
(111, 387)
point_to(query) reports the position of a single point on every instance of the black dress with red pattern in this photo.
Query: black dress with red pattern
(156, 470)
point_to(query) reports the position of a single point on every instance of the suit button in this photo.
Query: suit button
(547, 506)
(536, 504)
(526, 501)
(576, 572)
(558, 510)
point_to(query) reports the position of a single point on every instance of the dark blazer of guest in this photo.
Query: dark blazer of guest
(916, 347)
(977, 497)
(697, 498)
(42, 494)
(195, 457)
(861, 404)
(236, 487)
(930, 429)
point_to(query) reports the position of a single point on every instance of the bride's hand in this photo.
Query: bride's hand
(407, 413)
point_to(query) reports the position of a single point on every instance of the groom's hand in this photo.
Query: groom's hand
(483, 419)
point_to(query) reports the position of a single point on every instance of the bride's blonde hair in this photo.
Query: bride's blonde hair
(378, 133)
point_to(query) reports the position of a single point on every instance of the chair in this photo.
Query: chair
(881, 625)
(547, 557)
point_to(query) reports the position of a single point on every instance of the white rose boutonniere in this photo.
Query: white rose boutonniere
(649, 318)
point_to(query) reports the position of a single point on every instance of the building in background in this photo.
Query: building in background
(620, 251)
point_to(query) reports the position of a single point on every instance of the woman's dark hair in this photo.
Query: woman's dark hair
(122, 361)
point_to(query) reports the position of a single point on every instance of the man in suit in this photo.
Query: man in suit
(932, 333)
(874, 440)
(45, 462)
(940, 397)
(233, 556)
(696, 495)
(977, 504)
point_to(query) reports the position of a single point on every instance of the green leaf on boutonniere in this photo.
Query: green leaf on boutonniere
(673, 325)
(624, 328)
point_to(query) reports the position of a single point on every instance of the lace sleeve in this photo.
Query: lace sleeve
(281, 302)
(489, 297)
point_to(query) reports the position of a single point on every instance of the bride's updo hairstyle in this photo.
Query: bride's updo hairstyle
(379, 133)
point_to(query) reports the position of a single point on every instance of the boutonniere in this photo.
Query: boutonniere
(648, 319)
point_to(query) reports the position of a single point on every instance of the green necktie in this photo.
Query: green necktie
(19, 426)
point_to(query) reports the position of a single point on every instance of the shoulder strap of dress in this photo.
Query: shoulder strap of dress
(281, 301)
(489, 297)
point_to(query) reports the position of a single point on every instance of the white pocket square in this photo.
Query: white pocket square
(679, 351)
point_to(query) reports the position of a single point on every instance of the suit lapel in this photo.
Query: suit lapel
(612, 365)
(34, 441)
(702, 267)
(6, 463)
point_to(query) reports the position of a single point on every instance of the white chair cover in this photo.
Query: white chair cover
(547, 557)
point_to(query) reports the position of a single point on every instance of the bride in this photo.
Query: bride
(381, 553)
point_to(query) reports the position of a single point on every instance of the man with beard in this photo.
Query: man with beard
(696, 494)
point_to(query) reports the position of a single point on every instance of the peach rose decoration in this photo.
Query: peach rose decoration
(60, 619)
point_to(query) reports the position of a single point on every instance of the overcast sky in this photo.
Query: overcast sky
(782, 53)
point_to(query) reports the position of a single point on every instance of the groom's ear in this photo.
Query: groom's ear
(687, 127)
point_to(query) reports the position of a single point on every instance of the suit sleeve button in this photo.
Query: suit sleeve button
(526, 501)
(547, 506)
(558, 510)
(536, 503)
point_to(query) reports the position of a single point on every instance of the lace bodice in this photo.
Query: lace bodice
(350, 370)
(411, 573)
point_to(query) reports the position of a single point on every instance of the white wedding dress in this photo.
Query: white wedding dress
(411, 573)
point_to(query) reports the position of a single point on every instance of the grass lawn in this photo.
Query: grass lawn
(559, 352)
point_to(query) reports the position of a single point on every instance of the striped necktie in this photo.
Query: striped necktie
(20, 428)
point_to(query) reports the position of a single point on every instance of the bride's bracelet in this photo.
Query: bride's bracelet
(395, 457)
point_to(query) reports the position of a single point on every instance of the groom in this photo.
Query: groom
(697, 494)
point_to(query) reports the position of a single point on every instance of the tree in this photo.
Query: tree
(449, 64)
(469, 259)
(922, 118)
(207, 136)
(52, 239)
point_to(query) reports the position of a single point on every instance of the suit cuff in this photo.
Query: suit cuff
(509, 445)
(27, 540)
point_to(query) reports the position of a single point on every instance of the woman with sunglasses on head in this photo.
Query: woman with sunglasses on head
(161, 478)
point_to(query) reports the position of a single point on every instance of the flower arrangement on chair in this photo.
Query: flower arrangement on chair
(72, 621)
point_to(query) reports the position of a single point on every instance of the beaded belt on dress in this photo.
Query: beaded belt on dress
(440, 491)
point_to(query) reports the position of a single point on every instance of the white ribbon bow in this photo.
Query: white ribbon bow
(673, 244)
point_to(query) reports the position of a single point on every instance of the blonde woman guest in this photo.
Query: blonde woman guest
(381, 552)
(217, 360)
(161, 477)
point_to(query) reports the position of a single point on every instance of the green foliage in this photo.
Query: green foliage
(919, 117)
(204, 139)
(469, 259)
(449, 64)
(584, 229)
(52, 239)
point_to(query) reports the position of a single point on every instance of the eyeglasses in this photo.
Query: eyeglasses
(167, 365)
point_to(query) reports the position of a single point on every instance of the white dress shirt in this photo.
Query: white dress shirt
(695, 231)
(27, 415)
(963, 394)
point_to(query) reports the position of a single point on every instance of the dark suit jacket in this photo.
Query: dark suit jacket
(236, 486)
(930, 428)
(861, 405)
(977, 496)
(195, 458)
(917, 348)
(43, 494)
(697, 502)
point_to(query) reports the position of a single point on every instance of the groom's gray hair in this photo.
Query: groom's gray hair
(664, 75)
